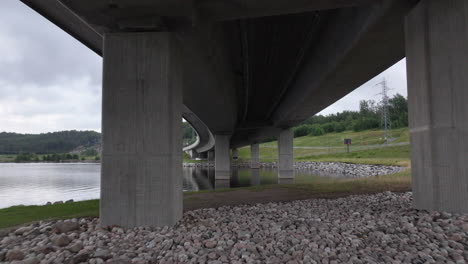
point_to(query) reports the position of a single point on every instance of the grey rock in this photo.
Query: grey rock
(61, 240)
(102, 254)
(31, 260)
(75, 247)
(25, 229)
(14, 254)
(66, 226)
(82, 257)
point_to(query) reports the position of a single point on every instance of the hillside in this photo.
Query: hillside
(54, 142)
(64, 141)
(367, 147)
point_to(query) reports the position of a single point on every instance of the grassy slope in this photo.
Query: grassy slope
(7, 158)
(16, 215)
(388, 155)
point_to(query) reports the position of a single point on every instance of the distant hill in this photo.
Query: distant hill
(64, 141)
(54, 142)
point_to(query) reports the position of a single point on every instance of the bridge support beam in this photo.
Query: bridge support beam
(255, 156)
(437, 65)
(141, 174)
(222, 157)
(211, 156)
(286, 154)
(235, 153)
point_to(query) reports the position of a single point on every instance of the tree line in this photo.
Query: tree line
(47, 143)
(64, 141)
(369, 116)
(55, 157)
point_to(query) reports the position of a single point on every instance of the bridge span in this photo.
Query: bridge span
(250, 70)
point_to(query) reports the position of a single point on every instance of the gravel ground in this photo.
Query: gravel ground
(378, 228)
(329, 169)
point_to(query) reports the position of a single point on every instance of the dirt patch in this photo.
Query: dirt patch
(250, 197)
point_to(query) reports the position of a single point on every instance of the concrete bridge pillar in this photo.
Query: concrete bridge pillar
(255, 156)
(222, 157)
(286, 154)
(437, 65)
(193, 154)
(211, 156)
(141, 174)
(255, 177)
(235, 154)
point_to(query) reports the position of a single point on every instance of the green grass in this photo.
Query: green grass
(362, 138)
(17, 215)
(395, 155)
(397, 181)
(7, 158)
(330, 147)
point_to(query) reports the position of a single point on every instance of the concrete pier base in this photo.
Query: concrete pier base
(235, 154)
(255, 177)
(141, 173)
(437, 64)
(222, 157)
(222, 184)
(286, 154)
(255, 156)
(211, 156)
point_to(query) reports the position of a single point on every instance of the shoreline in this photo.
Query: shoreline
(375, 228)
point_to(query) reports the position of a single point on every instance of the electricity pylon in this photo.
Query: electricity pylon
(385, 117)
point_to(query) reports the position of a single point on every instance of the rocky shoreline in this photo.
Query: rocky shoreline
(379, 228)
(331, 169)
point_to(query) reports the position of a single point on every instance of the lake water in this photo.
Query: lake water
(38, 183)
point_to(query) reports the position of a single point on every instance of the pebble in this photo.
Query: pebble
(328, 169)
(379, 228)
(66, 226)
(14, 254)
(61, 240)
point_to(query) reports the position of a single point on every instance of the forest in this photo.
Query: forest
(369, 116)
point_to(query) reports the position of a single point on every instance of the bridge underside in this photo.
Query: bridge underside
(250, 70)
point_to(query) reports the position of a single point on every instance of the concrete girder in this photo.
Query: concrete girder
(356, 45)
(205, 139)
(144, 15)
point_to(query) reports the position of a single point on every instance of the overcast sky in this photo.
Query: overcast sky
(51, 82)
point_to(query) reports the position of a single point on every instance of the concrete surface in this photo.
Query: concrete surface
(286, 154)
(255, 156)
(141, 183)
(222, 157)
(437, 62)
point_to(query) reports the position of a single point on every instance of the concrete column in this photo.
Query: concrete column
(255, 156)
(235, 154)
(211, 156)
(141, 173)
(222, 157)
(255, 177)
(437, 65)
(194, 154)
(285, 154)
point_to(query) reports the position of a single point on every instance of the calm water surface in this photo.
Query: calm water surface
(38, 183)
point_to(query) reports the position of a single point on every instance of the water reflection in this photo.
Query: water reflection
(222, 184)
(255, 177)
(42, 182)
(285, 180)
